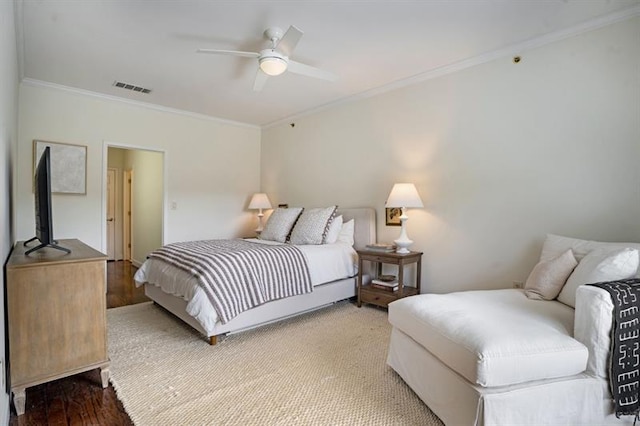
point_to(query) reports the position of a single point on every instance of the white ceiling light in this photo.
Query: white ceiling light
(272, 63)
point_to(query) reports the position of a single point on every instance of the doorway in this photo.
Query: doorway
(133, 202)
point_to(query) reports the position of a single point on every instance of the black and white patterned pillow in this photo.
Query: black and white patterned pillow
(280, 223)
(312, 226)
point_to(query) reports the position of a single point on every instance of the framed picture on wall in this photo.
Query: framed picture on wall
(392, 216)
(68, 166)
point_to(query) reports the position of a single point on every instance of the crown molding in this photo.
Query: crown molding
(155, 107)
(533, 43)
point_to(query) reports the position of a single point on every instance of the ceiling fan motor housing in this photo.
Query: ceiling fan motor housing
(273, 33)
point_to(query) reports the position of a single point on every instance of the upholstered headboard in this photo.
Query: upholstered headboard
(365, 224)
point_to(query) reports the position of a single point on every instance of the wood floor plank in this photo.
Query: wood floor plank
(80, 399)
(74, 397)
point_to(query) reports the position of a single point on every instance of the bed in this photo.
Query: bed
(332, 267)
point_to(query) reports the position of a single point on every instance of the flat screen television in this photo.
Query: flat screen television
(42, 191)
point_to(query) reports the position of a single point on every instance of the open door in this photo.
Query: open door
(111, 214)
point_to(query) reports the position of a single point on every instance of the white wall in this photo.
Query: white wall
(212, 167)
(501, 153)
(8, 136)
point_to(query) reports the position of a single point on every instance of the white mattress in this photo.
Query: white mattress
(327, 263)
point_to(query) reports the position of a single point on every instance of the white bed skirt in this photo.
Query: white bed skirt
(579, 399)
(276, 310)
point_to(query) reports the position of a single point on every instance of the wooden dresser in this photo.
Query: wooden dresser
(56, 315)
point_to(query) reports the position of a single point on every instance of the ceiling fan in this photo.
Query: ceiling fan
(275, 60)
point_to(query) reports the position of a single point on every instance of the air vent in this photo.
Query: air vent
(132, 87)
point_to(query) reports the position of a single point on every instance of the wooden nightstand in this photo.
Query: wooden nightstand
(368, 294)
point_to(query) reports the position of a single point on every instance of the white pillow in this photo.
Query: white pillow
(548, 277)
(312, 226)
(334, 230)
(600, 265)
(346, 233)
(280, 223)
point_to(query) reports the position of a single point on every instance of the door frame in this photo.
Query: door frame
(127, 214)
(105, 156)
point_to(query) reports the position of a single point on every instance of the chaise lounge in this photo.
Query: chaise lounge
(501, 357)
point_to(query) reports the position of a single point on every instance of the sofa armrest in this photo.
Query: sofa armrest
(592, 327)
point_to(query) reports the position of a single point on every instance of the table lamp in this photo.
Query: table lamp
(259, 201)
(404, 195)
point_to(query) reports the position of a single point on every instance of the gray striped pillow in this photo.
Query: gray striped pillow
(312, 226)
(280, 223)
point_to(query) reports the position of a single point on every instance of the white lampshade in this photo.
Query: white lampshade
(404, 195)
(260, 201)
(273, 65)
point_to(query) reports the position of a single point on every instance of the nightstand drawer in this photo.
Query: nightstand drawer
(377, 297)
(381, 259)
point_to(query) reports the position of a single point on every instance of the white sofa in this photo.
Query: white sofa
(497, 357)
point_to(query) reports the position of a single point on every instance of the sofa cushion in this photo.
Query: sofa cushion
(555, 245)
(493, 337)
(600, 265)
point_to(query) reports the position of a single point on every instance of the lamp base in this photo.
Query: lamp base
(403, 242)
(403, 246)
(260, 228)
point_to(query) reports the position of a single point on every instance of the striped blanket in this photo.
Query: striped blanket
(238, 275)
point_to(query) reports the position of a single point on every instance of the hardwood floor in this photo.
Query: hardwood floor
(80, 399)
(121, 290)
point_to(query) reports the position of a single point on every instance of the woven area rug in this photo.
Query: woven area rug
(327, 367)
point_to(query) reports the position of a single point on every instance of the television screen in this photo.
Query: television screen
(44, 231)
(42, 191)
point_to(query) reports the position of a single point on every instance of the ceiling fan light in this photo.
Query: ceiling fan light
(273, 65)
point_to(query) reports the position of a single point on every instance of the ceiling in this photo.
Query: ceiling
(370, 45)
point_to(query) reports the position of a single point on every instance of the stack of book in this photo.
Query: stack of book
(385, 282)
(383, 247)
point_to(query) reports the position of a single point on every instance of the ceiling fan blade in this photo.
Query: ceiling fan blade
(230, 52)
(261, 79)
(289, 40)
(308, 70)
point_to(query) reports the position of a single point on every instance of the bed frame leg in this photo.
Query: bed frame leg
(213, 340)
